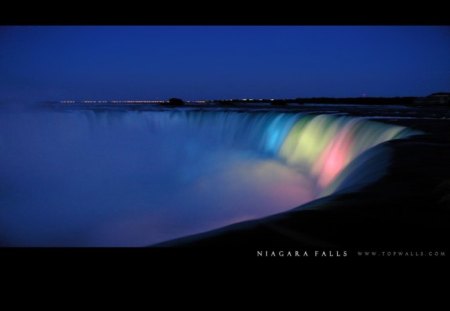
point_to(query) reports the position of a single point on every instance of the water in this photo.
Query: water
(84, 178)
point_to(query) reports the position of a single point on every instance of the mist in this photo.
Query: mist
(85, 179)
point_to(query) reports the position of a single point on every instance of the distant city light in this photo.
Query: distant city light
(96, 102)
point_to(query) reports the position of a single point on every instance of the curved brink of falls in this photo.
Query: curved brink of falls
(84, 178)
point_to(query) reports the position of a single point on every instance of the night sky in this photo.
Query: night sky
(55, 63)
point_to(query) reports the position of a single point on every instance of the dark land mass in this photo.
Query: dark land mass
(407, 209)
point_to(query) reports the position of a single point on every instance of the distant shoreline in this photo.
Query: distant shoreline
(435, 99)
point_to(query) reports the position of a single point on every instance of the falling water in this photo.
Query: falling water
(85, 178)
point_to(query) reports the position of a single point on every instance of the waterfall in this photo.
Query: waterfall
(318, 145)
(112, 178)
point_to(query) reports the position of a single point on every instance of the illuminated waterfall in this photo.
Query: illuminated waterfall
(130, 178)
(321, 146)
(324, 145)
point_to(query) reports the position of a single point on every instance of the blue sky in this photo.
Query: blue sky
(196, 62)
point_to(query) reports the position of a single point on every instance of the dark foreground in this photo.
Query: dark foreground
(407, 210)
